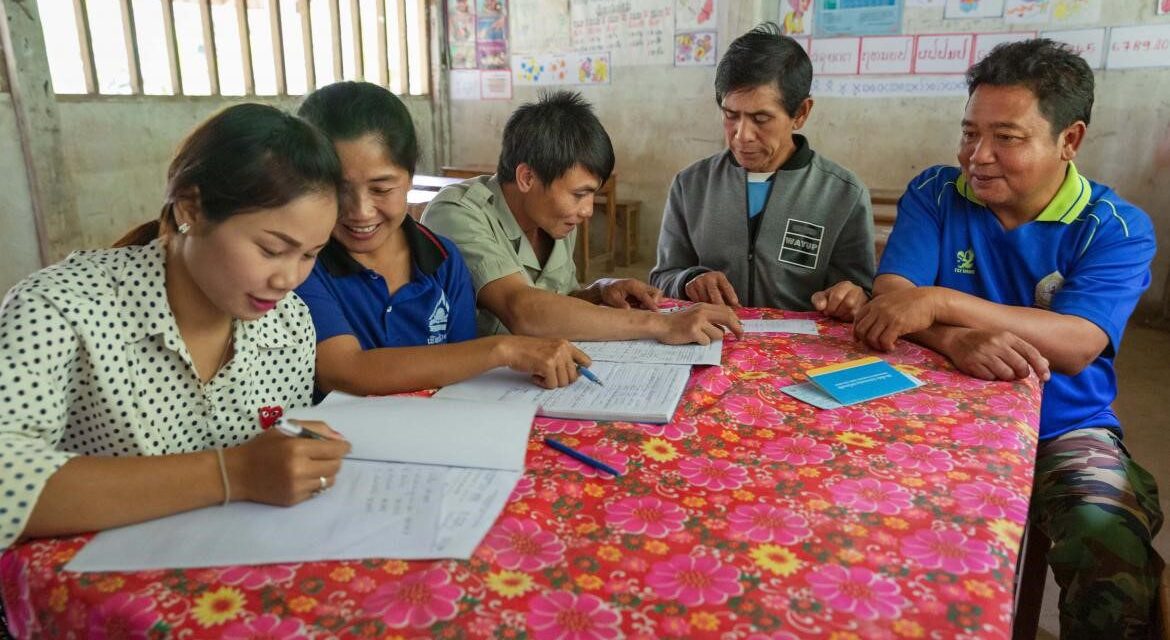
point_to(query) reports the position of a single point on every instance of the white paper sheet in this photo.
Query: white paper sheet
(453, 433)
(653, 352)
(632, 392)
(803, 327)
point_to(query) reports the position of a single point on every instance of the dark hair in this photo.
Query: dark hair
(350, 110)
(551, 135)
(765, 56)
(1060, 79)
(244, 158)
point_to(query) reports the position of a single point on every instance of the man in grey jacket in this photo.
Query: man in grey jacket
(767, 222)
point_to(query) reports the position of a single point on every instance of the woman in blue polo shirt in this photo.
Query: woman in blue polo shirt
(392, 301)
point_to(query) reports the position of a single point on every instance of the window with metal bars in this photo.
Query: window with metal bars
(233, 47)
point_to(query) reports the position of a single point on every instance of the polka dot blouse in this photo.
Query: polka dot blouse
(91, 363)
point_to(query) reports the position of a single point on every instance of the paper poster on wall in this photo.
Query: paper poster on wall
(796, 17)
(1076, 11)
(985, 42)
(634, 33)
(922, 4)
(694, 49)
(887, 55)
(551, 69)
(973, 9)
(539, 26)
(1027, 11)
(1088, 43)
(461, 33)
(889, 87)
(857, 17)
(492, 55)
(495, 85)
(1138, 46)
(835, 56)
(694, 15)
(464, 84)
(943, 53)
(1163, 6)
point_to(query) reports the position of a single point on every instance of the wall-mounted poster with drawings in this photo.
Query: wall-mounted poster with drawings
(693, 15)
(550, 69)
(539, 26)
(796, 17)
(1163, 9)
(491, 34)
(694, 49)
(1076, 11)
(1027, 11)
(461, 33)
(973, 9)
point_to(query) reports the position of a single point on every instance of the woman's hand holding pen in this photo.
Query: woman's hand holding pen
(552, 362)
(276, 469)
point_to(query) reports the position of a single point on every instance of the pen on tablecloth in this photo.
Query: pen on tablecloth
(589, 375)
(580, 457)
(294, 430)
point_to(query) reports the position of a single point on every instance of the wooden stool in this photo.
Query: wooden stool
(626, 220)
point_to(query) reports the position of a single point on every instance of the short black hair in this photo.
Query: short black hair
(1060, 79)
(551, 135)
(349, 110)
(765, 56)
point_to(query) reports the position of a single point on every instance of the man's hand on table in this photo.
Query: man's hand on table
(887, 317)
(841, 301)
(993, 355)
(700, 323)
(711, 287)
(626, 292)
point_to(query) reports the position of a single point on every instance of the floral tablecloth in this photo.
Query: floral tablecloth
(752, 515)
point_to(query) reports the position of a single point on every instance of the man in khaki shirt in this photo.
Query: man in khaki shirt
(516, 231)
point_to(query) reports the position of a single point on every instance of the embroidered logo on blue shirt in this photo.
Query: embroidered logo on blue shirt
(437, 323)
(965, 262)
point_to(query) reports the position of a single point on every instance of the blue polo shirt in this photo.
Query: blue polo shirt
(1086, 254)
(435, 307)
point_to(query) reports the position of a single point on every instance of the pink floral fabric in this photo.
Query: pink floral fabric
(749, 516)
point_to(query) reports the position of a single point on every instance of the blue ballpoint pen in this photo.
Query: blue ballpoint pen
(580, 457)
(589, 375)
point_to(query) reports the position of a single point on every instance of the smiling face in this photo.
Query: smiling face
(561, 205)
(247, 263)
(1008, 153)
(757, 128)
(376, 202)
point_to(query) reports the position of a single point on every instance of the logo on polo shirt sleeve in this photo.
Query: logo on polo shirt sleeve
(437, 323)
(1047, 288)
(801, 245)
(965, 262)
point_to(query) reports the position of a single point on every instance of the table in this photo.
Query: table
(751, 516)
(608, 194)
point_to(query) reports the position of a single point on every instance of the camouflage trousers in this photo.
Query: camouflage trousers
(1100, 509)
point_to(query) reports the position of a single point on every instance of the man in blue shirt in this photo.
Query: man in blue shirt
(1014, 263)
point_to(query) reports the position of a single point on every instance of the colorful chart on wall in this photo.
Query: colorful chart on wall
(957, 9)
(695, 49)
(694, 15)
(1027, 11)
(1076, 11)
(1163, 6)
(551, 69)
(1087, 43)
(796, 17)
(857, 17)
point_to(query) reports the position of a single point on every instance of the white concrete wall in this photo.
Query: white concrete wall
(118, 150)
(662, 118)
(19, 255)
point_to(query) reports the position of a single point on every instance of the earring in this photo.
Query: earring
(184, 228)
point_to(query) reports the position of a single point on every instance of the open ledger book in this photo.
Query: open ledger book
(631, 392)
(426, 479)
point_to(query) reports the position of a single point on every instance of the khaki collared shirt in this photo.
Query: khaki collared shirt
(475, 216)
(92, 363)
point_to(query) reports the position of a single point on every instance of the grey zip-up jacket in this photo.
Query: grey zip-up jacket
(816, 230)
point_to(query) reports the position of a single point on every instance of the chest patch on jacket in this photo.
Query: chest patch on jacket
(801, 245)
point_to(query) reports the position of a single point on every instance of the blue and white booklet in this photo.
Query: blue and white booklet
(851, 382)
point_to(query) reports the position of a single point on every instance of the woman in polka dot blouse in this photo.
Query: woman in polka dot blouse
(132, 379)
(393, 302)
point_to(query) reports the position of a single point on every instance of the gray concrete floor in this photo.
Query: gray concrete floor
(1143, 371)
